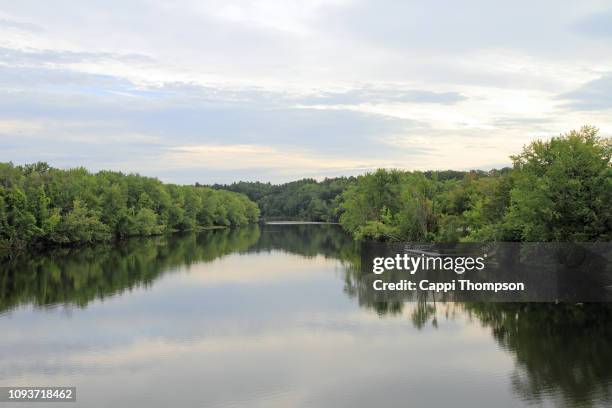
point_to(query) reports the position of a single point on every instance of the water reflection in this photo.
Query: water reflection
(280, 316)
(79, 275)
(563, 351)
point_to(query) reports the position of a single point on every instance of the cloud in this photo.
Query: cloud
(183, 113)
(593, 95)
(258, 157)
(522, 121)
(181, 122)
(20, 25)
(182, 132)
(373, 96)
(287, 87)
(460, 27)
(596, 25)
(48, 79)
(41, 56)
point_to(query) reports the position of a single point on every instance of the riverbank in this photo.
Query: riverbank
(14, 250)
(299, 223)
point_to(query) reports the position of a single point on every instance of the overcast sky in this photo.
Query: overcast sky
(216, 91)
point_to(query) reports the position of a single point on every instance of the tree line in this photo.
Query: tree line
(557, 190)
(44, 205)
(304, 200)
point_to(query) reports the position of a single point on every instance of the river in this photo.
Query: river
(276, 316)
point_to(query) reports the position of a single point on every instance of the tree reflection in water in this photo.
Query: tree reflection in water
(563, 353)
(76, 276)
(560, 350)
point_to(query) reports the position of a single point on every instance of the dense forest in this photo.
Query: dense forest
(304, 200)
(557, 190)
(43, 205)
(312, 200)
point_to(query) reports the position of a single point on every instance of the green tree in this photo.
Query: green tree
(20, 224)
(146, 222)
(563, 189)
(81, 225)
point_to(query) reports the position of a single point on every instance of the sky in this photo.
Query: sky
(219, 91)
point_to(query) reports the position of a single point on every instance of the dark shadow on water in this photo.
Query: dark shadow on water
(79, 275)
(560, 350)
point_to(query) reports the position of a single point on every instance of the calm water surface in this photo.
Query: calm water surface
(277, 316)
